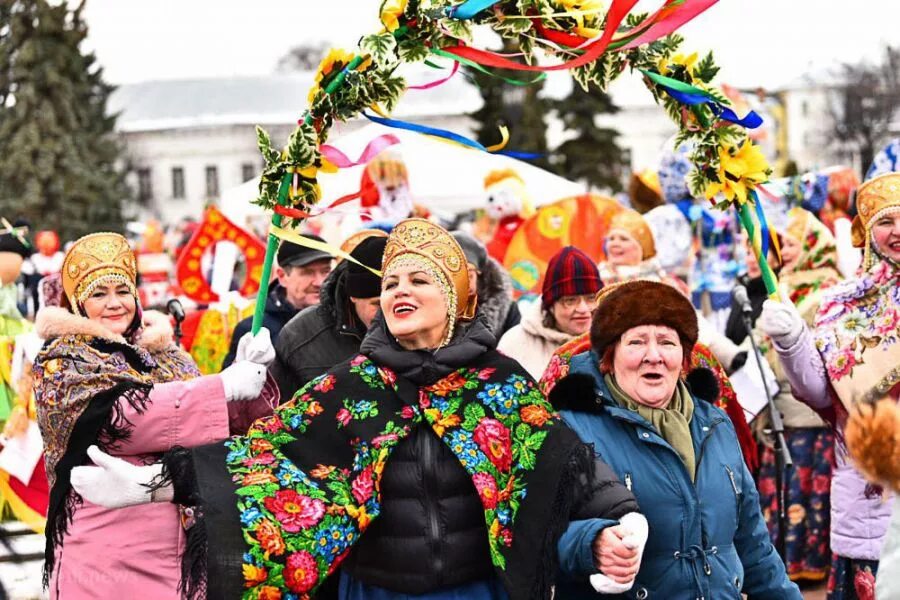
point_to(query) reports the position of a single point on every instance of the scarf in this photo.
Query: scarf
(306, 481)
(857, 330)
(672, 422)
(80, 381)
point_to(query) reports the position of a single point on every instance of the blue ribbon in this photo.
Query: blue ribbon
(447, 135)
(469, 8)
(750, 121)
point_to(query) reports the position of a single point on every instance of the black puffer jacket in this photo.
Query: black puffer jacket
(431, 532)
(317, 338)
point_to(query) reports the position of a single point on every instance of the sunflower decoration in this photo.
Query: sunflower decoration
(740, 170)
(334, 62)
(391, 13)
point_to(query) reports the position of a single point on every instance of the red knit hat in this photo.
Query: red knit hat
(570, 272)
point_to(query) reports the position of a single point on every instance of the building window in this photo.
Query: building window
(248, 172)
(178, 182)
(145, 186)
(212, 182)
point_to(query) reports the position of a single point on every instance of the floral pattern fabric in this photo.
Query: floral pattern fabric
(308, 477)
(857, 329)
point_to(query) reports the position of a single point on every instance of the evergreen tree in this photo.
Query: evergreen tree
(520, 108)
(592, 156)
(58, 164)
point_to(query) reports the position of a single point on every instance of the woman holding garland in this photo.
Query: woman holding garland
(428, 465)
(112, 376)
(851, 356)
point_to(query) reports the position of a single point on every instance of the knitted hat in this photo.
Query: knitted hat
(640, 302)
(474, 250)
(295, 255)
(570, 272)
(361, 282)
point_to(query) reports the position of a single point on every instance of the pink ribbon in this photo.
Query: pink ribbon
(433, 84)
(679, 15)
(373, 148)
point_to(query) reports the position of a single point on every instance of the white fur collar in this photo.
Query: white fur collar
(53, 321)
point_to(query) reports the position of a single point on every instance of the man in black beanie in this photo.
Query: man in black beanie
(300, 275)
(322, 336)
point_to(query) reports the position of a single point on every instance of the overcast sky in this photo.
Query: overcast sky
(757, 42)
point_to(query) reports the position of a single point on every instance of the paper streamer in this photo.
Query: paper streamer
(300, 240)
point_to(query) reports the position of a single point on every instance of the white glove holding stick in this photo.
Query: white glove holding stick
(115, 483)
(638, 531)
(245, 378)
(782, 322)
(256, 348)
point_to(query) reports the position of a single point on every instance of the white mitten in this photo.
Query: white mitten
(781, 322)
(256, 348)
(638, 529)
(115, 483)
(243, 380)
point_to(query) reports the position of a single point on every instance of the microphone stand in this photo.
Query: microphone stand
(783, 460)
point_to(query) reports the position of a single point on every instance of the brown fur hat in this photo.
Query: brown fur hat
(873, 438)
(634, 303)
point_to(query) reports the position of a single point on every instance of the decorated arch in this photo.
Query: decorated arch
(595, 41)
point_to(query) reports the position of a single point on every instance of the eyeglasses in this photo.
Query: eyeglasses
(573, 301)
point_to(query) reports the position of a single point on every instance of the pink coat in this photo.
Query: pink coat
(135, 552)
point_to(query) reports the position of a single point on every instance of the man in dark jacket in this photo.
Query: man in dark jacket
(322, 336)
(494, 286)
(301, 272)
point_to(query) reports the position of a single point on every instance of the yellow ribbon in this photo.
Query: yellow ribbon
(296, 238)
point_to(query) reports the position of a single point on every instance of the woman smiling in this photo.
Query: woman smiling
(112, 376)
(428, 465)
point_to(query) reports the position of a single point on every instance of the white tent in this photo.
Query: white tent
(446, 178)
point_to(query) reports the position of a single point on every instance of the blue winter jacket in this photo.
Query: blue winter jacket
(708, 539)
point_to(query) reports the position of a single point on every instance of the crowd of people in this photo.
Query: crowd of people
(404, 426)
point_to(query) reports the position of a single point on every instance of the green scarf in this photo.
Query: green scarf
(673, 422)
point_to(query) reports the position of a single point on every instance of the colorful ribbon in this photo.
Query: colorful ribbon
(454, 137)
(469, 9)
(480, 69)
(693, 96)
(434, 84)
(617, 13)
(372, 149)
(296, 238)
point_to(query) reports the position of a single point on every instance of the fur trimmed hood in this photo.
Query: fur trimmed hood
(495, 294)
(52, 322)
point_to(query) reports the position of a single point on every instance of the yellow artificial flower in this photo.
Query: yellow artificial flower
(689, 63)
(740, 170)
(584, 10)
(391, 11)
(336, 59)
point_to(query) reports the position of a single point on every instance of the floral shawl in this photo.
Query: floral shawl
(80, 376)
(307, 480)
(816, 268)
(701, 358)
(857, 330)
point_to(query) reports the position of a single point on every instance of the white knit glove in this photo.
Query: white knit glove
(243, 381)
(115, 483)
(256, 348)
(635, 523)
(781, 322)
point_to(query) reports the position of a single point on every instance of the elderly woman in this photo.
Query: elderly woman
(563, 313)
(850, 356)
(111, 376)
(428, 465)
(678, 454)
